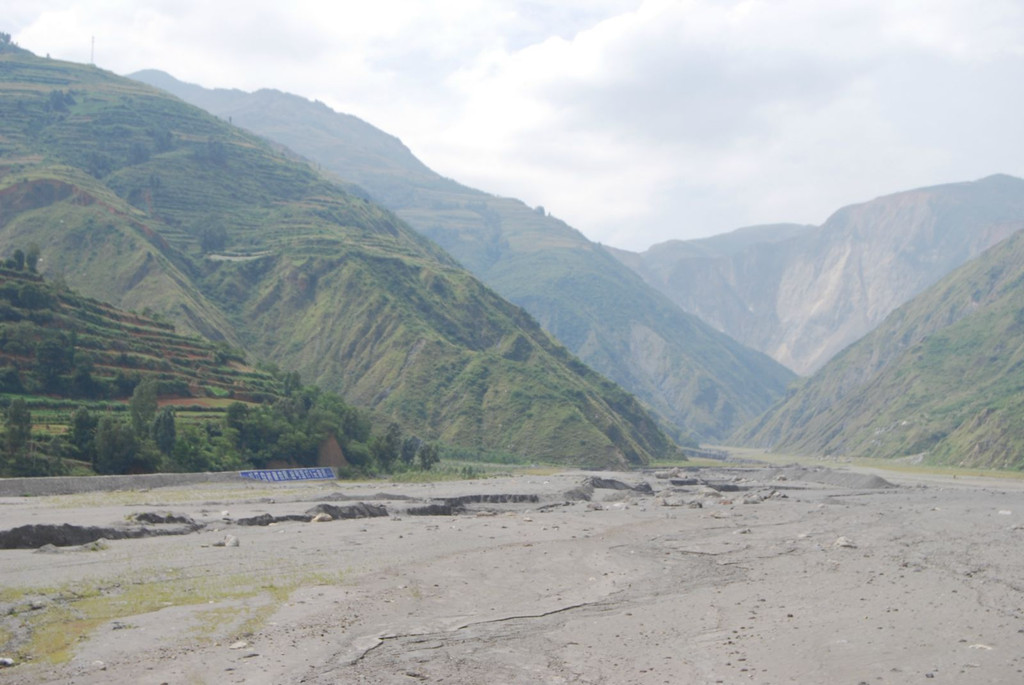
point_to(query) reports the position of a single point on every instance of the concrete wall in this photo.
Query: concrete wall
(66, 485)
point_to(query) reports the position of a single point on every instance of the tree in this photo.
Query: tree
(194, 451)
(410, 446)
(292, 383)
(53, 359)
(32, 257)
(32, 296)
(164, 432)
(82, 382)
(17, 434)
(386, 448)
(235, 419)
(428, 456)
(83, 434)
(142, 406)
(58, 101)
(117, 449)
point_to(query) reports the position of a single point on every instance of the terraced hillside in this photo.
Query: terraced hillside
(142, 201)
(56, 342)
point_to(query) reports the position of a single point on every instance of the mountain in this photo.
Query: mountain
(699, 380)
(142, 201)
(801, 294)
(942, 378)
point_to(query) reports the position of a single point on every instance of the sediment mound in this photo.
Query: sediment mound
(842, 479)
(68, 535)
(353, 511)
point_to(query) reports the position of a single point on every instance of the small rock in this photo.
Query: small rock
(228, 541)
(6, 661)
(321, 518)
(241, 644)
(844, 541)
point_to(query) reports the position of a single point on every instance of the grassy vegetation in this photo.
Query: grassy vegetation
(73, 612)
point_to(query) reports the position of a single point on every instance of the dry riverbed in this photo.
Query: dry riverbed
(782, 575)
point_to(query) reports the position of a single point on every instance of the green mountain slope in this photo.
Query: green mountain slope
(942, 377)
(699, 380)
(143, 201)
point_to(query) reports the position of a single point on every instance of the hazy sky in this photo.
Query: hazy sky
(635, 122)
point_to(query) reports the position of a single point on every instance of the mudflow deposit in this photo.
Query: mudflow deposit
(789, 575)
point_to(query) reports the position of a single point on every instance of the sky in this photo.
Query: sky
(635, 121)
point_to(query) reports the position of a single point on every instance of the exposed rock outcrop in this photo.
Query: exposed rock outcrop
(802, 293)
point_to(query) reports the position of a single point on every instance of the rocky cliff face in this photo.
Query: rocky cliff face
(802, 294)
(939, 379)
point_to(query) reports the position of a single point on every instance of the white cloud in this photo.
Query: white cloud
(634, 121)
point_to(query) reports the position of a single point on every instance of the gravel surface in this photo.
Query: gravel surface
(706, 576)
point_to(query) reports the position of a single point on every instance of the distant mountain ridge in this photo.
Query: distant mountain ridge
(145, 202)
(941, 379)
(802, 294)
(698, 380)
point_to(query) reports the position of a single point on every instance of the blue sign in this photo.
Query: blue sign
(285, 475)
